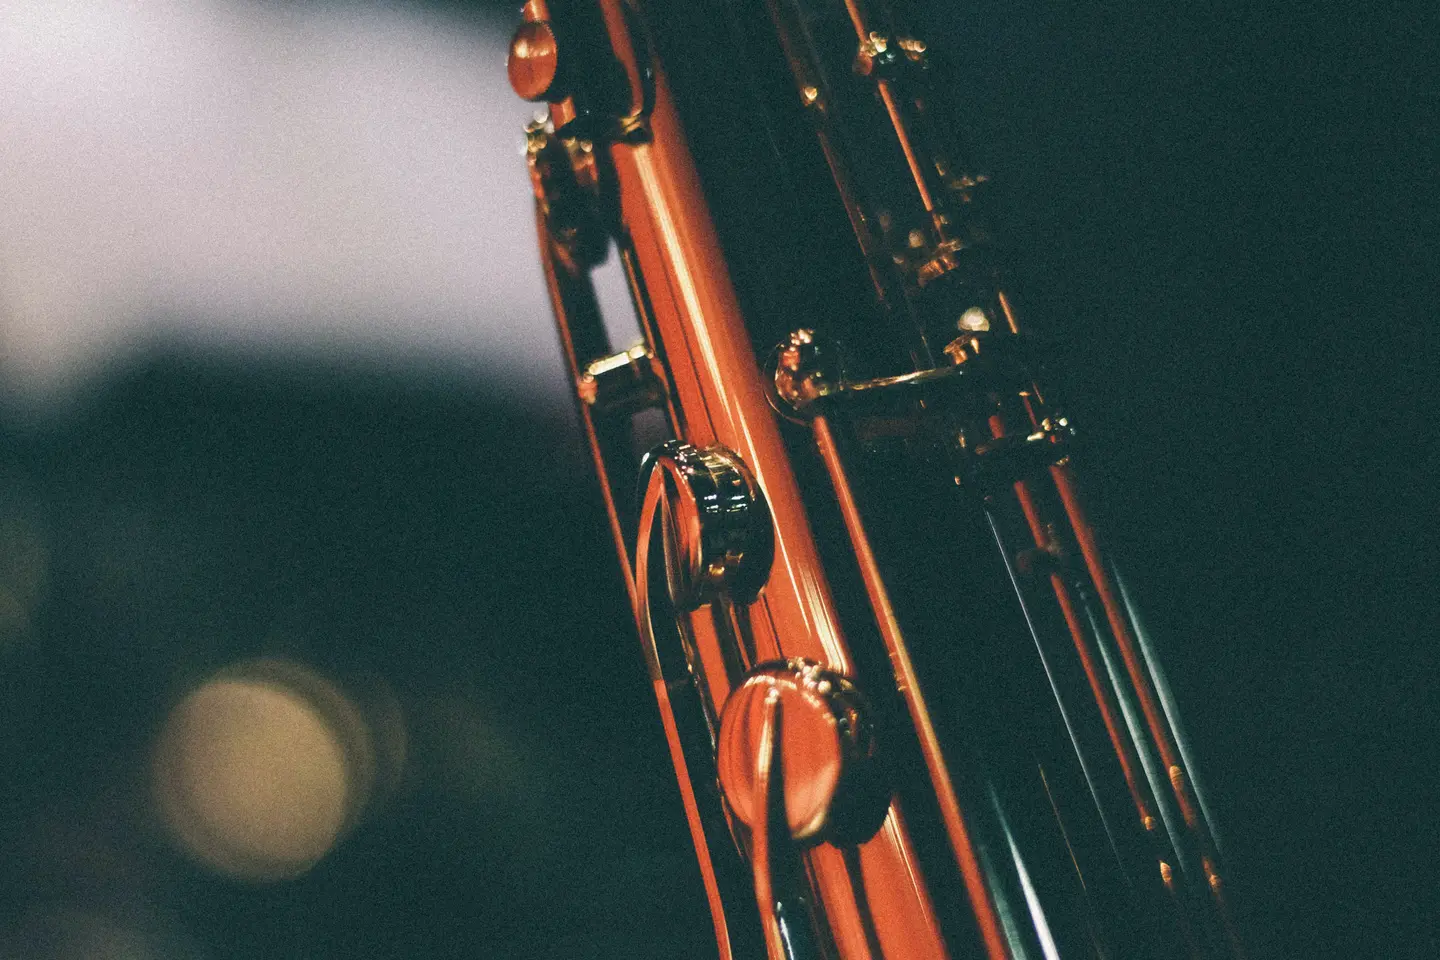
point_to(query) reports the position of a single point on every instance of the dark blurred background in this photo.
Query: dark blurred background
(284, 413)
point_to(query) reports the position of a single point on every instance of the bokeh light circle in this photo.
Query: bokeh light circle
(258, 771)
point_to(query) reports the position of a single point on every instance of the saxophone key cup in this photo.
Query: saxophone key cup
(719, 540)
(831, 783)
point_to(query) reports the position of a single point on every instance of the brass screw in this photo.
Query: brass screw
(537, 134)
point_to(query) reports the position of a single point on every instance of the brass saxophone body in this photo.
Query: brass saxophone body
(909, 708)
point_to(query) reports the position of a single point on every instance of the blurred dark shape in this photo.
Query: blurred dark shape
(400, 533)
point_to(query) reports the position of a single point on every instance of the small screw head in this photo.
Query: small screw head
(804, 371)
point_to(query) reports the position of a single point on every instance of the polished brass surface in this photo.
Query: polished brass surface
(887, 500)
(829, 775)
(718, 541)
(534, 62)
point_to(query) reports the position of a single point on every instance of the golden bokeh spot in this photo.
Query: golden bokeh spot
(258, 771)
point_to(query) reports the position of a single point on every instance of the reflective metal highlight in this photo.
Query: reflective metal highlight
(851, 478)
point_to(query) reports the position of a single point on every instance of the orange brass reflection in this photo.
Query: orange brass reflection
(1120, 627)
(1104, 699)
(768, 764)
(965, 853)
(872, 897)
(716, 381)
(534, 62)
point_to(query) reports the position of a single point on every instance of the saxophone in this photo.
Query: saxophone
(909, 706)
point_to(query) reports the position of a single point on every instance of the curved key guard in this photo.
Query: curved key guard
(795, 760)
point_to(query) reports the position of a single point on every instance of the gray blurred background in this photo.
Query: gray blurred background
(293, 514)
(333, 179)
